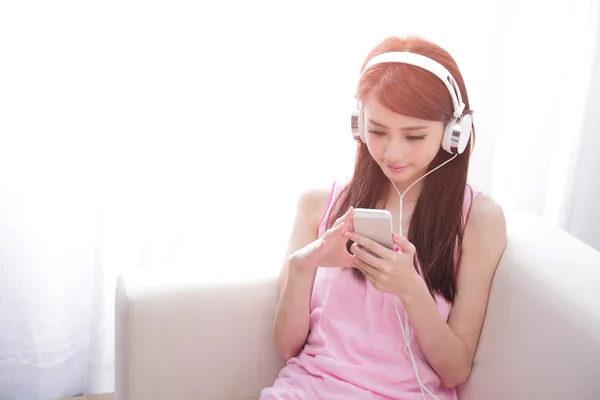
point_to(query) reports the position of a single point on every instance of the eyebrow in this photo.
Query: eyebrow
(406, 128)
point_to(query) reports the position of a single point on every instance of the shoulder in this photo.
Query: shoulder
(315, 196)
(313, 202)
(485, 229)
(486, 217)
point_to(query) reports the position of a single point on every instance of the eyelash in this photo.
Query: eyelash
(420, 137)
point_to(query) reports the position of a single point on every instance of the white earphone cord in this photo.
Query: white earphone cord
(405, 327)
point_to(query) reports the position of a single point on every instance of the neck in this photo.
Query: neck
(409, 196)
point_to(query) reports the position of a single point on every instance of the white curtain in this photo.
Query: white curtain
(179, 135)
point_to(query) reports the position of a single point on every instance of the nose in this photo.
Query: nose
(395, 150)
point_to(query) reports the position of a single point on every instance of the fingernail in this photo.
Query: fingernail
(349, 234)
(396, 248)
(396, 236)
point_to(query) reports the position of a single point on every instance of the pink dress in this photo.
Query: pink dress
(355, 349)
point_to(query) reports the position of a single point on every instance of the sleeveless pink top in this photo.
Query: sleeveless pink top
(355, 348)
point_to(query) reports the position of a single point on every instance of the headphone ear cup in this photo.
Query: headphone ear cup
(356, 123)
(457, 134)
(448, 129)
(361, 124)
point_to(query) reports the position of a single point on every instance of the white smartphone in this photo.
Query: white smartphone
(375, 225)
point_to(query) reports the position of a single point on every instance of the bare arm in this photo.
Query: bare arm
(450, 346)
(295, 283)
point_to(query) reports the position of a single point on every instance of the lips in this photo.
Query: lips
(397, 168)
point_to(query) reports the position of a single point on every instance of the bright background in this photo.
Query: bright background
(172, 134)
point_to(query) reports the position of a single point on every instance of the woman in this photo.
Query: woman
(398, 324)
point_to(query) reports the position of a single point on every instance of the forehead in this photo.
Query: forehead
(376, 111)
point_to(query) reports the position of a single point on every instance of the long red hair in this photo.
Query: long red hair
(436, 227)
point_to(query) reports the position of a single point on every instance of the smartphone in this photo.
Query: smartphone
(375, 225)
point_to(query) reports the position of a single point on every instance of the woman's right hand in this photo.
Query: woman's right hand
(330, 249)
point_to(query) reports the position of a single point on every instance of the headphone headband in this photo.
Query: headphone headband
(457, 131)
(428, 64)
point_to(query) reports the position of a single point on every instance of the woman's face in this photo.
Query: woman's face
(402, 146)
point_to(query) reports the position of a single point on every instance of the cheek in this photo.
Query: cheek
(375, 146)
(426, 151)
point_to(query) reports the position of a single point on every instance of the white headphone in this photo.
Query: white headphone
(457, 131)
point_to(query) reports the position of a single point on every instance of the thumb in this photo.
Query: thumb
(404, 244)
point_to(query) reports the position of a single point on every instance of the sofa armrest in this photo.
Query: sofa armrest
(541, 335)
(180, 341)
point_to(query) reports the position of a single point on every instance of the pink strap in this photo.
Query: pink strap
(336, 189)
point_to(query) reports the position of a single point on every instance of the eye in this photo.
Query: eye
(374, 132)
(419, 137)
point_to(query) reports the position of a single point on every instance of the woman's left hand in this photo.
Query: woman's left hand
(387, 270)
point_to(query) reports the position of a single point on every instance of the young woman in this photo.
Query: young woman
(372, 323)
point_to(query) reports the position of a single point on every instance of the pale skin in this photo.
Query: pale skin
(395, 140)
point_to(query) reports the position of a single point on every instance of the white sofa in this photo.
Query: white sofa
(181, 339)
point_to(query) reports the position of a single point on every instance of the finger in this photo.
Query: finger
(366, 256)
(405, 245)
(366, 269)
(350, 219)
(367, 243)
(348, 216)
(340, 229)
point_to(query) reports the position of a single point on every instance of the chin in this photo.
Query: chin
(399, 177)
(406, 177)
